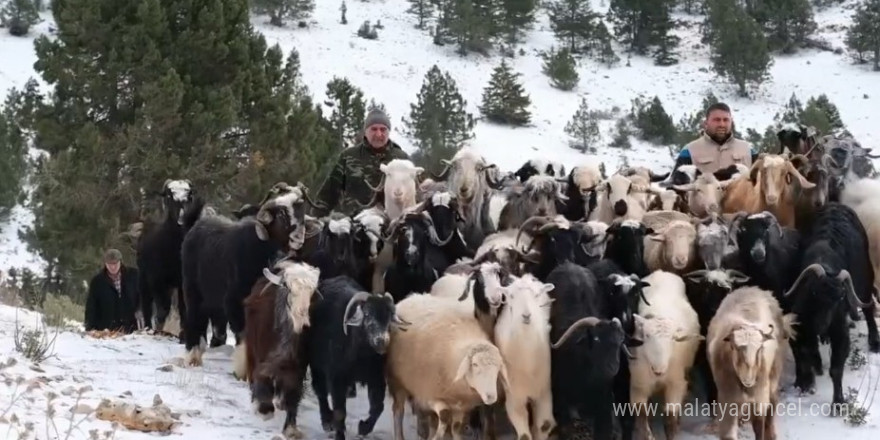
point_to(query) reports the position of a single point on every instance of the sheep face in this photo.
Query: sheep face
(480, 368)
(678, 238)
(753, 235)
(822, 296)
(713, 242)
(298, 281)
(667, 200)
(775, 174)
(400, 181)
(659, 336)
(596, 345)
(704, 194)
(376, 315)
(279, 219)
(541, 193)
(177, 197)
(529, 302)
(369, 225)
(616, 189)
(466, 174)
(747, 344)
(586, 178)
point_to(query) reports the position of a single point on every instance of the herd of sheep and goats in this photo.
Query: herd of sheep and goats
(541, 295)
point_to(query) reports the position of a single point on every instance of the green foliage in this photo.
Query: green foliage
(561, 68)
(422, 10)
(514, 19)
(280, 10)
(468, 24)
(622, 132)
(652, 122)
(145, 91)
(367, 31)
(438, 122)
(863, 35)
(13, 147)
(819, 112)
(18, 16)
(504, 99)
(583, 128)
(786, 23)
(349, 109)
(573, 23)
(642, 24)
(739, 49)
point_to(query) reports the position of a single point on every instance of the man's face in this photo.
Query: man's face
(718, 124)
(377, 135)
(113, 267)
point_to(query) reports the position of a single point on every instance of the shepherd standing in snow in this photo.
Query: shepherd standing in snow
(112, 296)
(358, 167)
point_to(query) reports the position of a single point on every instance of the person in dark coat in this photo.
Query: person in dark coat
(112, 296)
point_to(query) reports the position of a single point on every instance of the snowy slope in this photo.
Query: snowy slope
(213, 405)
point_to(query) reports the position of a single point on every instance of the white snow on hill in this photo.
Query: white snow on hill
(210, 404)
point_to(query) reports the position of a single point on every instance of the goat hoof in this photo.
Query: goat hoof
(874, 346)
(266, 410)
(364, 427)
(291, 432)
(327, 426)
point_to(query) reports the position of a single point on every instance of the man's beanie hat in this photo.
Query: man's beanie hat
(112, 256)
(377, 116)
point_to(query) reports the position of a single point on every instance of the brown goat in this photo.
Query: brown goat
(768, 187)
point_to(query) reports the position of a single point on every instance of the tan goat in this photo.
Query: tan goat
(746, 347)
(768, 187)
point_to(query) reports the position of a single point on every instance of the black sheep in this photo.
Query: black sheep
(158, 255)
(223, 258)
(586, 355)
(836, 277)
(349, 335)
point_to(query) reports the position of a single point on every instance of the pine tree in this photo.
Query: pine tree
(791, 113)
(640, 24)
(504, 99)
(583, 128)
(786, 23)
(280, 10)
(605, 51)
(438, 122)
(620, 135)
(516, 17)
(739, 49)
(373, 105)
(652, 121)
(561, 67)
(863, 36)
(572, 22)
(349, 109)
(469, 24)
(422, 10)
(18, 16)
(13, 148)
(191, 91)
(829, 110)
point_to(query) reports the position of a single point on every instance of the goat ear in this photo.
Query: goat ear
(547, 288)
(262, 233)
(419, 171)
(357, 319)
(463, 368)
(383, 168)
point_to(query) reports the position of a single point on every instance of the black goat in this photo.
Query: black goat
(329, 246)
(586, 355)
(537, 167)
(350, 332)
(158, 255)
(705, 290)
(419, 258)
(626, 246)
(238, 250)
(556, 240)
(246, 210)
(768, 252)
(836, 276)
(445, 213)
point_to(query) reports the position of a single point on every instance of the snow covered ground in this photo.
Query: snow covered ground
(211, 404)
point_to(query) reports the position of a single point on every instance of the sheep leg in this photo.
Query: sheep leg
(376, 396)
(146, 300)
(873, 334)
(262, 393)
(429, 421)
(642, 426)
(197, 323)
(675, 392)
(338, 391)
(458, 418)
(319, 385)
(839, 335)
(518, 413)
(805, 380)
(398, 408)
(728, 426)
(292, 396)
(218, 328)
(443, 416)
(542, 416)
(181, 313)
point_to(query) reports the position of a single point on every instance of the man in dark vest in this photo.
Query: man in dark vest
(112, 296)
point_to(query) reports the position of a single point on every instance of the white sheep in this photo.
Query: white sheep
(673, 248)
(622, 197)
(522, 333)
(863, 196)
(457, 368)
(745, 344)
(670, 331)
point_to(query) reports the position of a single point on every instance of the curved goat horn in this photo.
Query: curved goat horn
(357, 298)
(583, 322)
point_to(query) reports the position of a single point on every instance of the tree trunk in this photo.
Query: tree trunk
(276, 20)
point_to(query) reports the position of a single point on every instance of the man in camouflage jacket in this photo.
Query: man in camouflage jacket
(357, 166)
